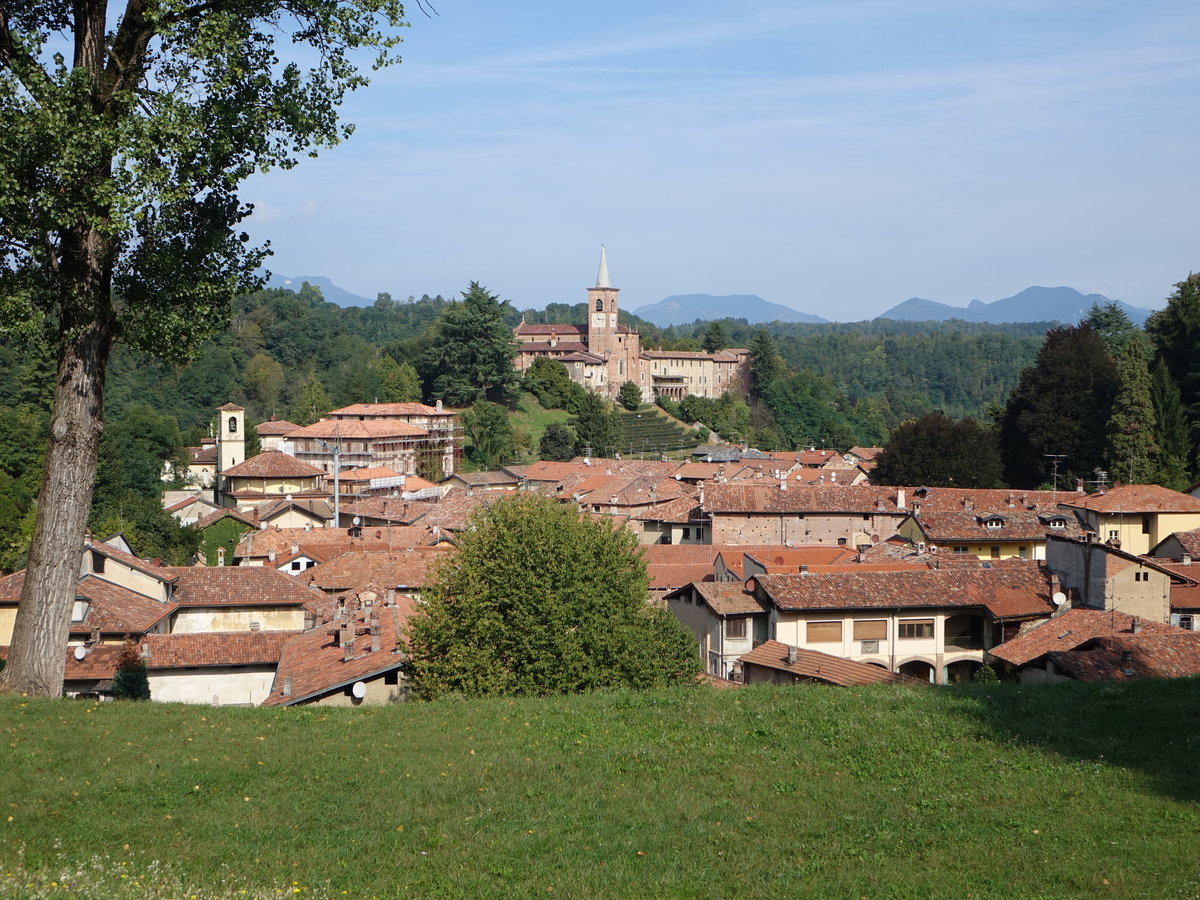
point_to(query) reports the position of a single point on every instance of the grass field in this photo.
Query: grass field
(999, 791)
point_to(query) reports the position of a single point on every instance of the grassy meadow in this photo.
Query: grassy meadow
(999, 791)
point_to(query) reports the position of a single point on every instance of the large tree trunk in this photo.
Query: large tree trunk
(37, 657)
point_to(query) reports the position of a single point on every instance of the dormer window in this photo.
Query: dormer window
(1058, 523)
(993, 523)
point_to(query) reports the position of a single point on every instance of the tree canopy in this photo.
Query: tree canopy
(539, 599)
(937, 451)
(472, 356)
(120, 163)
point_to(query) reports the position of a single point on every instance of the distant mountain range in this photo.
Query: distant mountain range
(330, 291)
(683, 309)
(1034, 304)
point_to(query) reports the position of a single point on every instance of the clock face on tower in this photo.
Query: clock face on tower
(598, 320)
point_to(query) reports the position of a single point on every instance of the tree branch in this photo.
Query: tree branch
(21, 64)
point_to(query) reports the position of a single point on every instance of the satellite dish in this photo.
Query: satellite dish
(80, 653)
(359, 690)
(357, 520)
(1059, 598)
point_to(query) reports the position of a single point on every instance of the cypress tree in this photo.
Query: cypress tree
(1132, 450)
(1170, 428)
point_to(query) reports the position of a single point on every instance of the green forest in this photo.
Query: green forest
(951, 402)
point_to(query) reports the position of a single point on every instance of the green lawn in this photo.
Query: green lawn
(1005, 792)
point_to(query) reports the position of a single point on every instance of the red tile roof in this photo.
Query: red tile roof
(1152, 655)
(98, 663)
(812, 665)
(275, 427)
(1018, 524)
(1006, 592)
(729, 598)
(273, 464)
(389, 410)
(389, 509)
(1068, 630)
(217, 648)
(239, 586)
(1136, 498)
(316, 664)
(530, 328)
(117, 610)
(357, 430)
(403, 569)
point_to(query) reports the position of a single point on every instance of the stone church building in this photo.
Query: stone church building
(603, 354)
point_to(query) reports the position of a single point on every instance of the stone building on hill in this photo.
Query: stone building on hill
(602, 354)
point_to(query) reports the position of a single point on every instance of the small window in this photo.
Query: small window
(97, 562)
(1058, 523)
(1023, 552)
(961, 548)
(824, 632)
(916, 628)
(599, 305)
(1114, 534)
(995, 523)
(233, 424)
(1145, 524)
(296, 564)
(995, 552)
(735, 628)
(1185, 622)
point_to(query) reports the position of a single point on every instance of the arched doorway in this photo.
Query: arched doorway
(918, 668)
(962, 671)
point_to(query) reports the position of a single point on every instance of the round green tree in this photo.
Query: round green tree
(539, 599)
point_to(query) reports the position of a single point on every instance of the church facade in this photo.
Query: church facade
(603, 354)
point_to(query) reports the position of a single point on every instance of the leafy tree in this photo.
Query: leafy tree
(808, 411)
(549, 381)
(766, 365)
(474, 351)
(598, 430)
(489, 435)
(133, 452)
(119, 171)
(715, 337)
(630, 396)
(399, 382)
(1132, 451)
(1060, 406)
(1175, 332)
(1171, 429)
(539, 599)
(146, 525)
(264, 379)
(557, 443)
(1113, 325)
(937, 451)
(130, 681)
(312, 403)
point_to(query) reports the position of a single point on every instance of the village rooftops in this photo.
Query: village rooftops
(273, 464)
(213, 649)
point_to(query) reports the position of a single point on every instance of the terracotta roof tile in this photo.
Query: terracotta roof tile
(316, 664)
(734, 498)
(1065, 631)
(1136, 498)
(217, 648)
(1006, 592)
(357, 430)
(812, 665)
(113, 609)
(275, 427)
(273, 464)
(404, 569)
(1173, 654)
(238, 586)
(390, 410)
(727, 598)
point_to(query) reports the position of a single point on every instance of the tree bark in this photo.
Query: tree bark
(37, 656)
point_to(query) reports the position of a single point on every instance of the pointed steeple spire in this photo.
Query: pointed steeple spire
(602, 275)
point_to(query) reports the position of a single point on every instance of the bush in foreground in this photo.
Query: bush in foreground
(541, 600)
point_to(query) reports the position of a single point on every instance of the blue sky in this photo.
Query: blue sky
(836, 157)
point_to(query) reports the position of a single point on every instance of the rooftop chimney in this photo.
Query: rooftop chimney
(791, 654)
(375, 637)
(783, 483)
(438, 406)
(347, 643)
(900, 498)
(287, 686)
(271, 555)
(1136, 625)
(1186, 559)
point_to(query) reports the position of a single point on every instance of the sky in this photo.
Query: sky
(835, 157)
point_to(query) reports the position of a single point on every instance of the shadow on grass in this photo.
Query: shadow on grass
(1149, 726)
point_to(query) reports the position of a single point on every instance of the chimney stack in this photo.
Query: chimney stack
(1136, 625)
(900, 498)
(1186, 559)
(791, 654)
(375, 636)
(287, 686)
(348, 644)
